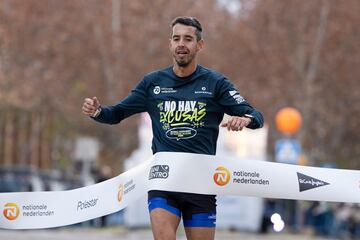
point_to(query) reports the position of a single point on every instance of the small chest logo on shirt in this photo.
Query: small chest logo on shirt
(157, 90)
(203, 91)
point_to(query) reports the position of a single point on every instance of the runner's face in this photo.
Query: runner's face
(184, 45)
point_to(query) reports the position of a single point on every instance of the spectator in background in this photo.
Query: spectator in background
(104, 174)
(341, 222)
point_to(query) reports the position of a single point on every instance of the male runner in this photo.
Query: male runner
(186, 103)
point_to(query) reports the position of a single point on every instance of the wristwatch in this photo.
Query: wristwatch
(97, 112)
(249, 116)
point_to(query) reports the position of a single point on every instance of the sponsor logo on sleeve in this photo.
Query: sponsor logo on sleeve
(306, 182)
(233, 92)
(237, 97)
(159, 171)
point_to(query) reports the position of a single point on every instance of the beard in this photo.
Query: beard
(185, 60)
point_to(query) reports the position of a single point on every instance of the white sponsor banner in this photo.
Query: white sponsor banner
(182, 172)
(29, 210)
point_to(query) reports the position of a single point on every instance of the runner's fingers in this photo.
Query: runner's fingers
(229, 124)
(238, 124)
(96, 102)
(224, 124)
(233, 123)
(89, 106)
(87, 113)
(243, 123)
(86, 110)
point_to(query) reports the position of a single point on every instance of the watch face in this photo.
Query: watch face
(97, 112)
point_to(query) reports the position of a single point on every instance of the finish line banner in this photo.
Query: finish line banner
(181, 172)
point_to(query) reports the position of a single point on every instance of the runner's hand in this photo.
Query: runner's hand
(90, 106)
(235, 123)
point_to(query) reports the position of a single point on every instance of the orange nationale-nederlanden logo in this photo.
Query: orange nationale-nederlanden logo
(125, 188)
(120, 192)
(221, 176)
(11, 211)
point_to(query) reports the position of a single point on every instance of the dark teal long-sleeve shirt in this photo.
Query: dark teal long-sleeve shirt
(185, 112)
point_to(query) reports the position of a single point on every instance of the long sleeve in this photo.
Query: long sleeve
(134, 103)
(235, 105)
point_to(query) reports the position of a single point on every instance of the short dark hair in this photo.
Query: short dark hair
(189, 21)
